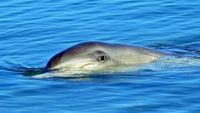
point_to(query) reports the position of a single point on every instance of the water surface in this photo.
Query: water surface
(32, 32)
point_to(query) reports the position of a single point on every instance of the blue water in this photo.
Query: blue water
(31, 32)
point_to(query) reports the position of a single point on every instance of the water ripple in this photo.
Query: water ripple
(33, 31)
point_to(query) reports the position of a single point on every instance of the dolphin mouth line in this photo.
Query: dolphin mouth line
(80, 69)
(85, 65)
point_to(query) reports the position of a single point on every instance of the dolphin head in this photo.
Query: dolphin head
(99, 56)
(87, 56)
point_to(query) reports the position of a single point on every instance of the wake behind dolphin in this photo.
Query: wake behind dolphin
(95, 57)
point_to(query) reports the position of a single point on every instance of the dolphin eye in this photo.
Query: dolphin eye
(102, 58)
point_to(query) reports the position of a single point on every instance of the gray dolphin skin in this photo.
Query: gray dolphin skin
(98, 56)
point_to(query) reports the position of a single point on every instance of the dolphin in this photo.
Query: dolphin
(94, 57)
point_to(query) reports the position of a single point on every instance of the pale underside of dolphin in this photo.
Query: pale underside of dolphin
(94, 57)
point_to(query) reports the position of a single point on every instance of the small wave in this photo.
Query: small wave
(18, 68)
(171, 62)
